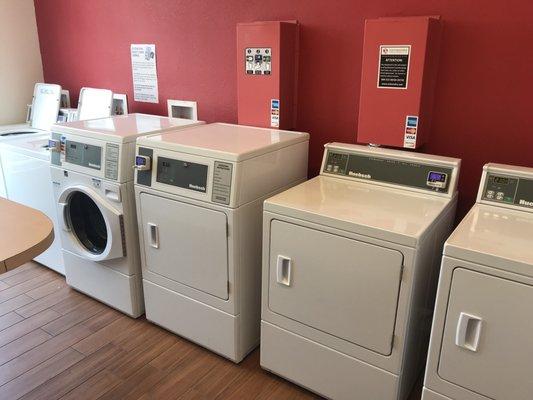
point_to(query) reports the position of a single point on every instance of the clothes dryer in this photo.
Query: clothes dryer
(92, 179)
(199, 195)
(350, 264)
(481, 342)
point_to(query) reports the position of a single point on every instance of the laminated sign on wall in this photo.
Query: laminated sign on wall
(144, 72)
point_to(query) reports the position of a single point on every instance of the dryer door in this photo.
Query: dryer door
(186, 243)
(487, 343)
(337, 285)
(92, 228)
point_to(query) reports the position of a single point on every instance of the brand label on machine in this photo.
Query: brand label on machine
(274, 113)
(411, 128)
(393, 69)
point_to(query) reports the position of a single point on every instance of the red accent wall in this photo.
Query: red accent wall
(483, 100)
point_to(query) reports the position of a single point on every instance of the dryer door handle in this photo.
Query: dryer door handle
(153, 233)
(283, 270)
(468, 331)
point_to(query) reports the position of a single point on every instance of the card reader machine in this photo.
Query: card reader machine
(142, 163)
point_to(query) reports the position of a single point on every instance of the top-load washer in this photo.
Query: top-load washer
(25, 162)
(92, 178)
(350, 265)
(200, 210)
(45, 107)
(481, 342)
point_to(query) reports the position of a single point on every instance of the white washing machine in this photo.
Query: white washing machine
(45, 108)
(25, 161)
(92, 180)
(350, 266)
(200, 211)
(482, 342)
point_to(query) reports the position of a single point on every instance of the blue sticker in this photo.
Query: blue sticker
(275, 103)
(412, 122)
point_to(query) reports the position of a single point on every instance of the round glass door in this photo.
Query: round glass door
(87, 222)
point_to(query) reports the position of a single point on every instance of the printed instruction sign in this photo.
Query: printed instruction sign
(144, 72)
(411, 130)
(393, 66)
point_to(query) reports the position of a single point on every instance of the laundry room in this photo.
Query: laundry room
(283, 199)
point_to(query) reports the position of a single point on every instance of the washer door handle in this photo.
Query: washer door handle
(468, 331)
(153, 233)
(283, 270)
(63, 219)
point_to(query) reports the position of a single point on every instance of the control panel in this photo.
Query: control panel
(83, 154)
(506, 189)
(183, 174)
(258, 60)
(434, 178)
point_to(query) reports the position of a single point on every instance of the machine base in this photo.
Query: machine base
(205, 325)
(123, 292)
(430, 395)
(323, 370)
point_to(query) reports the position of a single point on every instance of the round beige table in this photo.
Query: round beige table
(24, 234)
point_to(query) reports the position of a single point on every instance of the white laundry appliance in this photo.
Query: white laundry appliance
(92, 180)
(350, 265)
(25, 161)
(481, 342)
(45, 105)
(199, 195)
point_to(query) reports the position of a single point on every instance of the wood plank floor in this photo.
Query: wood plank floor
(56, 343)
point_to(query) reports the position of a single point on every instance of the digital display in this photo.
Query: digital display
(140, 160)
(437, 177)
(499, 180)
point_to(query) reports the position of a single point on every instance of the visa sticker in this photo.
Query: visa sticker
(411, 128)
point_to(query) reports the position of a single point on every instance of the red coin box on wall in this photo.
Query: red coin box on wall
(267, 73)
(399, 71)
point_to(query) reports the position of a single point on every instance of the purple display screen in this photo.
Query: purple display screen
(436, 177)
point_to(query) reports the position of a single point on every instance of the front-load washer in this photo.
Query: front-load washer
(200, 212)
(350, 265)
(481, 342)
(25, 162)
(92, 180)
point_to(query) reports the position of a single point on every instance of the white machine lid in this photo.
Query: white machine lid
(496, 237)
(94, 103)
(10, 131)
(45, 106)
(33, 145)
(388, 194)
(122, 128)
(498, 230)
(390, 214)
(224, 141)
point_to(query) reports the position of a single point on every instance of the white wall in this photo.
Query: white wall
(20, 59)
